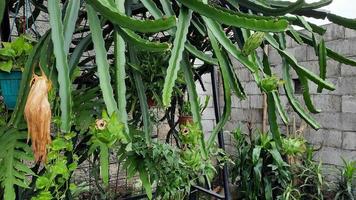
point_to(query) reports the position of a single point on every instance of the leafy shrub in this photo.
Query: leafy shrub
(262, 170)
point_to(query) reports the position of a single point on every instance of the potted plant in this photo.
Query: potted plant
(185, 116)
(12, 59)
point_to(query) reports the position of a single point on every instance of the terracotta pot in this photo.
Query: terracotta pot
(184, 120)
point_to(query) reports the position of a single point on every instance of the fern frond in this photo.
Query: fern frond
(13, 152)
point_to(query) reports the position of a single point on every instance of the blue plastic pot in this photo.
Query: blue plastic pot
(10, 84)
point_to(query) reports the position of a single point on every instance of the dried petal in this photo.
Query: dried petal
(38, 116)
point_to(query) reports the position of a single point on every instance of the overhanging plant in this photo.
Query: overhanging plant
(13, 56)
(190, 30)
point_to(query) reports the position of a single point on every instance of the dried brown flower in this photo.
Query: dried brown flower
(100, 124)
(38, 116)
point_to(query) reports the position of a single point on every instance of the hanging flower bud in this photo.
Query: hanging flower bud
(38, 116)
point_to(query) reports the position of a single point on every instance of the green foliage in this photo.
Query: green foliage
(263, 171)
(104, 134)
(55, 182)
(171, 175)
(14, 54)
(346, 187)
(13, 172)
(65, 89)
(186, 109)
(147, 66)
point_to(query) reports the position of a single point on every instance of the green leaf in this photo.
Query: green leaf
(78, 52)
(146, 181)
(6, 66)
(12, 170)
(322, 61)
(176, 55)
(317, 4)
(304, 71)
(219, 34)
(237, 19)
(282, 112)
(69, 22)
(167, 7)
(142, 44)
(330, 53)
(266, 9)
(42, 182)
(200, 55)
(104, 164)
(16, 116)
(346, 22)
(152, 8)
(142, 97)
(120, 74)
(101, 61)
(108, 9)
(288, 87)
(55, 19)
(306, 95)
(272, 119)
(59, 144)
(2, 9)
(193, 99)
(224, 65)
(7, 53)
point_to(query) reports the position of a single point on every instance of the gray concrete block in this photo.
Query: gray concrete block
(230, 126)
(243, 74)
(235, 62)
(290, 42)
(252, 88)
(333, 68)
(336, 82)
(349, 140)
(334, 32)
(327, 103)
(349, 104)
(299, 52)
(329, 138)
(329, 120)
(346, 86)
(339, 46)
(256, 101)
(347, 70)
(246, 115)
(311, 54)
(348, 121)
(208, 125)
(238, 103)
(330, 155)
(350, 33)
(208, 114)
(273, 56)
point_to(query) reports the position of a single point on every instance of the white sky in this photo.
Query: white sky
(344, 8)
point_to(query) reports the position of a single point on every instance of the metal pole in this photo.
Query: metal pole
(220, 134)
(5, 25)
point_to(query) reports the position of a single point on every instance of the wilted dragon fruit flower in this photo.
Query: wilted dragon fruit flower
(38, 116)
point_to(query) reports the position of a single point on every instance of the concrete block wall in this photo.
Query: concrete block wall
(338, 117)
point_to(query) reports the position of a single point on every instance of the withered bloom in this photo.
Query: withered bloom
(38, 116)
(100, 124)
